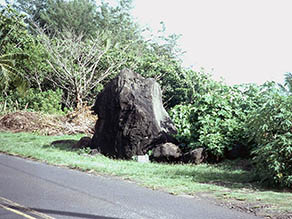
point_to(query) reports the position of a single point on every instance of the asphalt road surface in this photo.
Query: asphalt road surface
(30, 189)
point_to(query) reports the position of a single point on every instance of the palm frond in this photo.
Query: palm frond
(14, 56)
(8, 72)
(288, 81)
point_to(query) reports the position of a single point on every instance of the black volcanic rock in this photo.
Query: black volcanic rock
(131, 117)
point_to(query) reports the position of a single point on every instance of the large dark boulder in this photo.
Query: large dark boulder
(131, 118)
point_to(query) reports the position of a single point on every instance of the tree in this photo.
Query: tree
(60, 15)
(33, 8)
(12, 29)
(118, 21)
(156, 58)
(79, 65)
(78, 16)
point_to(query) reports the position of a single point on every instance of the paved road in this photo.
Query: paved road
(31, 189)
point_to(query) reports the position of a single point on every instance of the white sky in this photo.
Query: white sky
(242, 41)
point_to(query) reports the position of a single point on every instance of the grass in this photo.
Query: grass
(225, 182)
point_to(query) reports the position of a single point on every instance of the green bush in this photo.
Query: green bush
(46, 101)
(218, 117)
(271, 128)
(212, 119)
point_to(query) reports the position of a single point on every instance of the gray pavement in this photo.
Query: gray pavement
(43, 191)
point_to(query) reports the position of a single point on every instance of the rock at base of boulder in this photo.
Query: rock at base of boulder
(84, 142)
(167, 152)
(195, 156)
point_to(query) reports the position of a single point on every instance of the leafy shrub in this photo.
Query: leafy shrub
(181, 116)
(212, 119)
(271, 128)
(46, 101)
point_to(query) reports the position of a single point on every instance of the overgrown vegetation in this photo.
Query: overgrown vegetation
(60, 54)
(211, 117)
(270, 127)
(31, 99)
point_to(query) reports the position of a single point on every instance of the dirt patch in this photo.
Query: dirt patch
(20, 121)
(80, 121)
(256, 208)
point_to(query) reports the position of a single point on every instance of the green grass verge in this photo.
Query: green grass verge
(224, 182)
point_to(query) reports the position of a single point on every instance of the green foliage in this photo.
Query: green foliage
(182, 117)
(84, 17)
(288, 81)
(36, 69)
(212, 118)
(14, 41)
(12, 30)
(46, 101)
(118, 21)
(217, 117)
(270, 127)
(33, 8)
(124, 45)
(77, 16)
(108, 32)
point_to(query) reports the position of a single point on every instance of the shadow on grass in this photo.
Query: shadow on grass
(64, 145)
(226, 175)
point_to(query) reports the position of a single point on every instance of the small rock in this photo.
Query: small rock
(195, 156)
(167, 152)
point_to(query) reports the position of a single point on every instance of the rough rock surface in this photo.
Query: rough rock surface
(195, 156)
(84, 142)
(131, 117)
(167, 152)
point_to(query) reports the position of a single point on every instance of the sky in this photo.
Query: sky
(243, 41)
